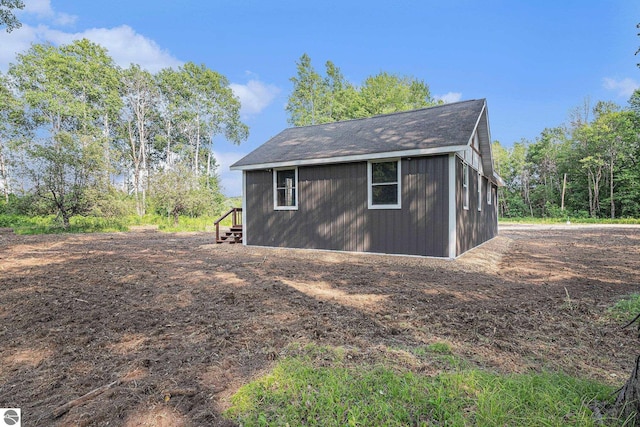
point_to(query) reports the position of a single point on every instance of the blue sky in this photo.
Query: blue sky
(534, 61)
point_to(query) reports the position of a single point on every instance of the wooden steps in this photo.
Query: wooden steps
(234, 235)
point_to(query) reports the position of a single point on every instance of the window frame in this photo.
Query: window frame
(398, 183)
(480, 199)
(489, 193)
(465, 186)
(277, 207)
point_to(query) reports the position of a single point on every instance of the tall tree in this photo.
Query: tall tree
(316, 99)
(170, 138)
(141, 96)
(343, 98)
(203, 106)
(305, 104)
(7, 15)
(66, 90)
(12, 126)
(634, 101)
(388, 93)
(619, 139)
(543, 158)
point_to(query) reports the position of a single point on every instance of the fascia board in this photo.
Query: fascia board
(352, 158)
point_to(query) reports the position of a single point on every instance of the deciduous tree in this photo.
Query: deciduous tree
(67, 90)
(7, 14)
(13, 126)
(306, 102)
(202, 106)
(388, 93)
(316, 99)
(141, 96)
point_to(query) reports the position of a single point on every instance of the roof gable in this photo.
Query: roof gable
(440, 129)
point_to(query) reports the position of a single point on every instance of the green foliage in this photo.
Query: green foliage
(7, 15)
(626, 309)
(70, 92)
(51, 224)
(72, 124)
(316, 99)
(388, 93)
(178, 192)
(185, 223)
(303, 391)
(599, 159)
(439, 347)
(64, 174)
(111, 203)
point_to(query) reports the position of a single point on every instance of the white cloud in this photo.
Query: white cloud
(15, 42)
(125, 46)
(449, 97)
(42, 9)
(624, 88)
(231, 181)
(254, 96)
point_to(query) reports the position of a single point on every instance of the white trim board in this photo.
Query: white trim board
(453, 243)
(244, 208)
(353, 158)
(370, 204)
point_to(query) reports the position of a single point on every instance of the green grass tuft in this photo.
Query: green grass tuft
(301, 391)
(627, 308)
(440, 348)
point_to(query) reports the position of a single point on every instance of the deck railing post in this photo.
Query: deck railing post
(234, 220)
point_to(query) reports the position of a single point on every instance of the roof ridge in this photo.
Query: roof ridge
(390, 114)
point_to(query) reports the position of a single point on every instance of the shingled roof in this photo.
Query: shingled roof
(441, 129)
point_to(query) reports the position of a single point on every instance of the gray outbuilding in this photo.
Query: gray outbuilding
(418, 182)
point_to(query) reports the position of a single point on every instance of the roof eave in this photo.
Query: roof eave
(352, 158)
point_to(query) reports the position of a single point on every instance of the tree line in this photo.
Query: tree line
(76, 130)
(588, 167)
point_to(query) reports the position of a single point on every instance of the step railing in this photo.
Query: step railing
(236, 220)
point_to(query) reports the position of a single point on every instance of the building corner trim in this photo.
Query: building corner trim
(452, 207)
(244, 208)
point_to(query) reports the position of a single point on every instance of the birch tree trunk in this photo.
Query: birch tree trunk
(4, 176)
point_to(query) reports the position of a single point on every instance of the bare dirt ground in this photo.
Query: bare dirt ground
(179, 323)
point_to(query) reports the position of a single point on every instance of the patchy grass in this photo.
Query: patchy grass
(52, 225)
(440, 347)
(564, 219)
(627, 308)
(88, 224)
(185, 223)
(322, 387)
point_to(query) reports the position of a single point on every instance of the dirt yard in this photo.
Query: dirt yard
(174, 324)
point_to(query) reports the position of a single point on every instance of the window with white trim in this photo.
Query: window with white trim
(384, 184)
(465, 186)
(489, 192)
(285, 189)
(479, 191)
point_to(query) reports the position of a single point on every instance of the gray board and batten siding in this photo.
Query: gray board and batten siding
(473, 226)
(331, 164)
(332, 210)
